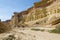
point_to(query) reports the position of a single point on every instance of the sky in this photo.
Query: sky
(8, 7)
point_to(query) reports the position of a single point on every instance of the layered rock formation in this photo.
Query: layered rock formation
(3, 27)
(18, 18)
(40, 11)
(43, 15)
(44, 3)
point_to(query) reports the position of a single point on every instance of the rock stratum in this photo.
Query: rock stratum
(39, 14)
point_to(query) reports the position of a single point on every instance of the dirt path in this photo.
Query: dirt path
(30, 35)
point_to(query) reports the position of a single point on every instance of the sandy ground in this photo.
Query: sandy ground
(30, 35)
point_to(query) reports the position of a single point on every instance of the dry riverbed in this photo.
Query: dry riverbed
(19, 34)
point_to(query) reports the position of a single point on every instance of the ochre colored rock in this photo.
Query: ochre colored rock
(40, 10)
(3, 28)
(43, 3)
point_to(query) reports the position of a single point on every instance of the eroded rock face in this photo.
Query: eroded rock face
(3, 28)
(7, 23)
(18, 18)
(39, 11)
(36, 14)
(43, 3)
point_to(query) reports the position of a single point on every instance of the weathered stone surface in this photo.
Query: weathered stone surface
(18, 18)
(43, 3)
(40, 10)
(3, 28)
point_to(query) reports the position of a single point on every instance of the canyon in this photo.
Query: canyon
(43, 15)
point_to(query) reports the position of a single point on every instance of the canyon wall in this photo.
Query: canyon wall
(40, 10)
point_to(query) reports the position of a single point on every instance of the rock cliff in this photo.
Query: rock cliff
(40, 11)
(4, 28)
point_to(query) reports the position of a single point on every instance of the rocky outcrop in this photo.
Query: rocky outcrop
(7, 22)
(39, 11)
(43, 3)
(4, 28)
(18, 18)
(36, 14)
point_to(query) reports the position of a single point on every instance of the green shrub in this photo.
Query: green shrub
(38, 29)
(57, 30)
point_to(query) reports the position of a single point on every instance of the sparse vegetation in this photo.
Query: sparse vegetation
(57, 30)
(37, 29)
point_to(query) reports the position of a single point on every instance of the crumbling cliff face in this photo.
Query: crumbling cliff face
(43, 3)
(18, 18)
(4, 28)
(39, 11)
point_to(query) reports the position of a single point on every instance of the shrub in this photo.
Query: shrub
(57, 30)
(37, 29)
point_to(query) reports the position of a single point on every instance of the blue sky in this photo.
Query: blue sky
(7, 7)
